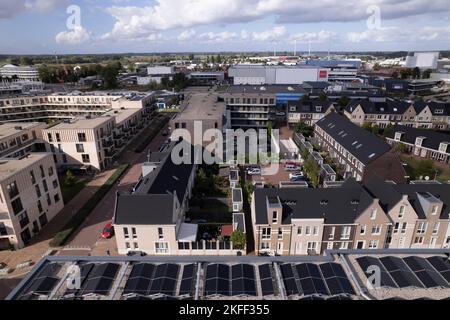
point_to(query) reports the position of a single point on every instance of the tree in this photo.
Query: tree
(427, 74)
(109, 74)
(416, 73)
(375, 129)
(269, 128)
(70, 179)
(388, 130)
(238, 238)
(313, 170)
(425, 168)
(377, 67)
(26, 61)
(323, 97)
(180, 81)
(343, 101)
(304, 129)
(405, 73)
(400, 147)
(191, 57)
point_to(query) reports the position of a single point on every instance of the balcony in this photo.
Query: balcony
(110, 154)
(108, 144)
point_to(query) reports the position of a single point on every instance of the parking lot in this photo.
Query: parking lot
(270, 178)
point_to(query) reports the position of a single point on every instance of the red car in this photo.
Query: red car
(108, 231)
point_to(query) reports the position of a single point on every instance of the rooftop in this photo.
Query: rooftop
(9, 128)
(9, 167)
(81, 123)
(122, 115)
(202, 106)
(265, 89)
(432, 139)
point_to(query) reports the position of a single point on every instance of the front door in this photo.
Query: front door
(360, 245)
(280, 248)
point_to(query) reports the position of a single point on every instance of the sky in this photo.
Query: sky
(121, 26)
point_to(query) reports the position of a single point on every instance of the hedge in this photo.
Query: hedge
(75, 222)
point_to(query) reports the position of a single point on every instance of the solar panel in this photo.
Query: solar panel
(101, 278)
(425, 272)
(164, 279)
(265, 276)
(289, 281)
(336, 279)
(243, 280)
(441, 265)
(400, 272)
(217, 280)
(139, 279)
(311, 280)
(187, 279)
(386, 280)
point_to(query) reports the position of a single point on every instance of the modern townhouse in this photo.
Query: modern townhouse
(68, 106)
(30, 197)
(376, 215)
(418, 213)
(422, 143)
(384, 112)
(256, 106)
(151, 219)
(308, 112)
(19, 138)
(360, 153)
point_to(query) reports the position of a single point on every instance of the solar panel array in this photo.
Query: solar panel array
(44, 283)
(307, 279)
(100, 279)
(413, 271)
(237, 280)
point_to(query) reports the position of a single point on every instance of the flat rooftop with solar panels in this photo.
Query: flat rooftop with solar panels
(337, 275)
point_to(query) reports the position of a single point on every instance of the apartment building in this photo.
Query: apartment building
(384, 112)
(376, 215)
(422, 143)
(68, 106)
(308, 112)
(256, 106)
(203, 109)
(30, 196)
(19, 138)
(359, 153)
(151, 219)
(94, 143)
(26, 73)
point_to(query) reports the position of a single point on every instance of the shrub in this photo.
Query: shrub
(238, 238)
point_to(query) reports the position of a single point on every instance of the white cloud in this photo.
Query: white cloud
(274, 34)
(396, 34)
(314, 37)
(77, 36)
(218, 37)
(187, 35)
(133, 21)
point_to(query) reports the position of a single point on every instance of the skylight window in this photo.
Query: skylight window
(372, 155)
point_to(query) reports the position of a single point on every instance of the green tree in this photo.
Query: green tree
(343, 101)
(427, 74)
(191, 57)
(388, 130)
(313, 170)
(425, 168)
(405, 73)
(416, 73)
(180, 81)
(400, 147)
(377, 67)
(304, 129)
(323, 97)
(70, 179)
(367, 126)
(375, 129)
(26, 61)
(269, 128)
(238, 238)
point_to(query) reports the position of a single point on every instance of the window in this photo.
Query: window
(404, 227)
(331, 236)
(160, 233)
(135, 245)
(58, 137)
(55, 184)
(266, 233)
(50, 138)
(315, 231)
(56, 198)
(38, 191)
(85, 158)
(280, 233)
(33, 178)
(373, 214)
(422, 227)
(3, 231)
(265, 246)
(299, 231)
(363, 230)
(401, 213)
(373, 244)
(345, 233)
(80, 148)
(343, 246)
(81, 137)
(64, 158)
(49, 201)
(127, 245)
(12, 190)
(17, 206)
(311, 247)
(39, 205)
(436, 228)
(50, 171)
(44, 183)
(376, 230)
(434, 210)
(43, 220)
(125, 233)
(134, 233)
(23, 219)
(41, 168)
(418, 240)
(274, 217)
(162, 247)
(308, 231)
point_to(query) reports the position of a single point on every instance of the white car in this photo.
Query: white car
(296, 175)
(254, 171)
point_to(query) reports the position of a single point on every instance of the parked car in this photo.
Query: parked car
(292, 167)
(253, 171)
(108, 231)
(296, 175)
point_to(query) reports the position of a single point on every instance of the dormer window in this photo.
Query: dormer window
(419, 141)
(401, 212)
(318, 108)
(274, 217)
(443, 147)
(434, 210)
(398, 136)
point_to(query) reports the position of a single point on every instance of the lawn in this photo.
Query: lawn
(416, 168)
(69, 192)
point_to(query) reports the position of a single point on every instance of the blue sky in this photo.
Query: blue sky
(39, 26)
